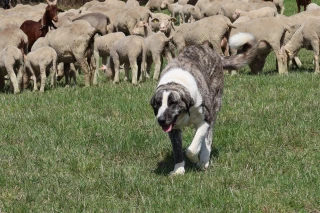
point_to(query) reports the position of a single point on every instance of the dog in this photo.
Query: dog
(189, 92)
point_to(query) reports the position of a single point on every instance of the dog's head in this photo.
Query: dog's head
(168, 104)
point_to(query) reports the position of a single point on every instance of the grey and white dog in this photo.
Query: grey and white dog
(189, 92)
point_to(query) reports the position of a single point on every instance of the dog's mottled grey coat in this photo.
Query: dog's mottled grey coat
(190, 92)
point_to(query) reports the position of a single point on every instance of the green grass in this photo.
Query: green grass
(100, 149)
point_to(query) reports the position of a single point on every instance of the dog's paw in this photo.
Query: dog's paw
(194, 158)
(178, 169)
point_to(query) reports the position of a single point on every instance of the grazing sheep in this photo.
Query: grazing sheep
(200, 32)
(209, 9)
(279, 4)
(131, 3)
(126, 21)
(303, 3)
(307, 36)
(163, 23)
(102, 45)
(157, 47)
(13, 36)
(260, 29)
(96, 20)
(253, 14)
(228, 8)
(312, 6)
(128, 51)
(40, 63)
(190, 13)
(173, 8)
(74, 43)
(11, 64)
(155, 5)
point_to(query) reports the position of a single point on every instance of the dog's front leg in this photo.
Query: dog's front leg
(176, 141)
(193, 150)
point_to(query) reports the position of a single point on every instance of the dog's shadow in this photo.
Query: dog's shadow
(165, 166)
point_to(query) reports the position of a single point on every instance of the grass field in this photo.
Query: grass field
(100, 149)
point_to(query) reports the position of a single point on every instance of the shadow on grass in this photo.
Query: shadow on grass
(165, 166)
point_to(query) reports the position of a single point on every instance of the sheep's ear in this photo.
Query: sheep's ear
(145, 23)
(155, 20)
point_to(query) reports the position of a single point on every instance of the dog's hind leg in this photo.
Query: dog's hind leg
(176, 141)
(193, 150)
(205, 151)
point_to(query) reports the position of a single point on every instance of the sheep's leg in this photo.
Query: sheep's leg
(33, 77)
(116, 65)
(43, 78)
(92, 69)
(148, 67)
(134, 68)
(13, 79)
(315, 47)
(85, 68)
(20, 74)
(126, 71)
(53, 77)
(281, 59)
(96, 74)
(60, 72)
(67, 74)
(1, 81)
(157, 66)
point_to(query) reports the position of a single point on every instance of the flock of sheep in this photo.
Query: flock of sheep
(136, 36)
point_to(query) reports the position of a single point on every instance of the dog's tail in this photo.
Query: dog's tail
(247, 48)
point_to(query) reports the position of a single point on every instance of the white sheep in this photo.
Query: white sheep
(253, 14)
(11, 64)
(39, 64)
(260, 29)
(157, 47)
(163, 23)
(228, 8)
(155, 5)
(128, 51)
(190, 13)
(102, 45)
(200, 32)
(129, 17)
(74, 43)
(173, 8)
(307, 36)
(312, 6)
(12, 36)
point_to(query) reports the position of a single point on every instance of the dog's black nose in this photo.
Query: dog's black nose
(161, 120)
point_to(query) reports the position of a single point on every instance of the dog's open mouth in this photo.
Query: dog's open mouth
(167, 128)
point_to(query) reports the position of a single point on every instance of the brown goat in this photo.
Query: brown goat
(35, 30)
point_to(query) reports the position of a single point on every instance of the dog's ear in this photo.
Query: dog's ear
(153, 104)
(189, 102)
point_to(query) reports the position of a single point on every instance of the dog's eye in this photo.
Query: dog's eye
(172, 102)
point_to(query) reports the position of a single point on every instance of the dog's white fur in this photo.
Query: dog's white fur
(237, 41)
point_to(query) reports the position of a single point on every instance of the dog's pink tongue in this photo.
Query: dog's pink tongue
(167, 128)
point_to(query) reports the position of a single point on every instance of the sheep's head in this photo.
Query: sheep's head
(236, 14)
(163, 24)
(164, 4)
(140, 28)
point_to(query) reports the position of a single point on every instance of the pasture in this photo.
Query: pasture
(100, 149)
